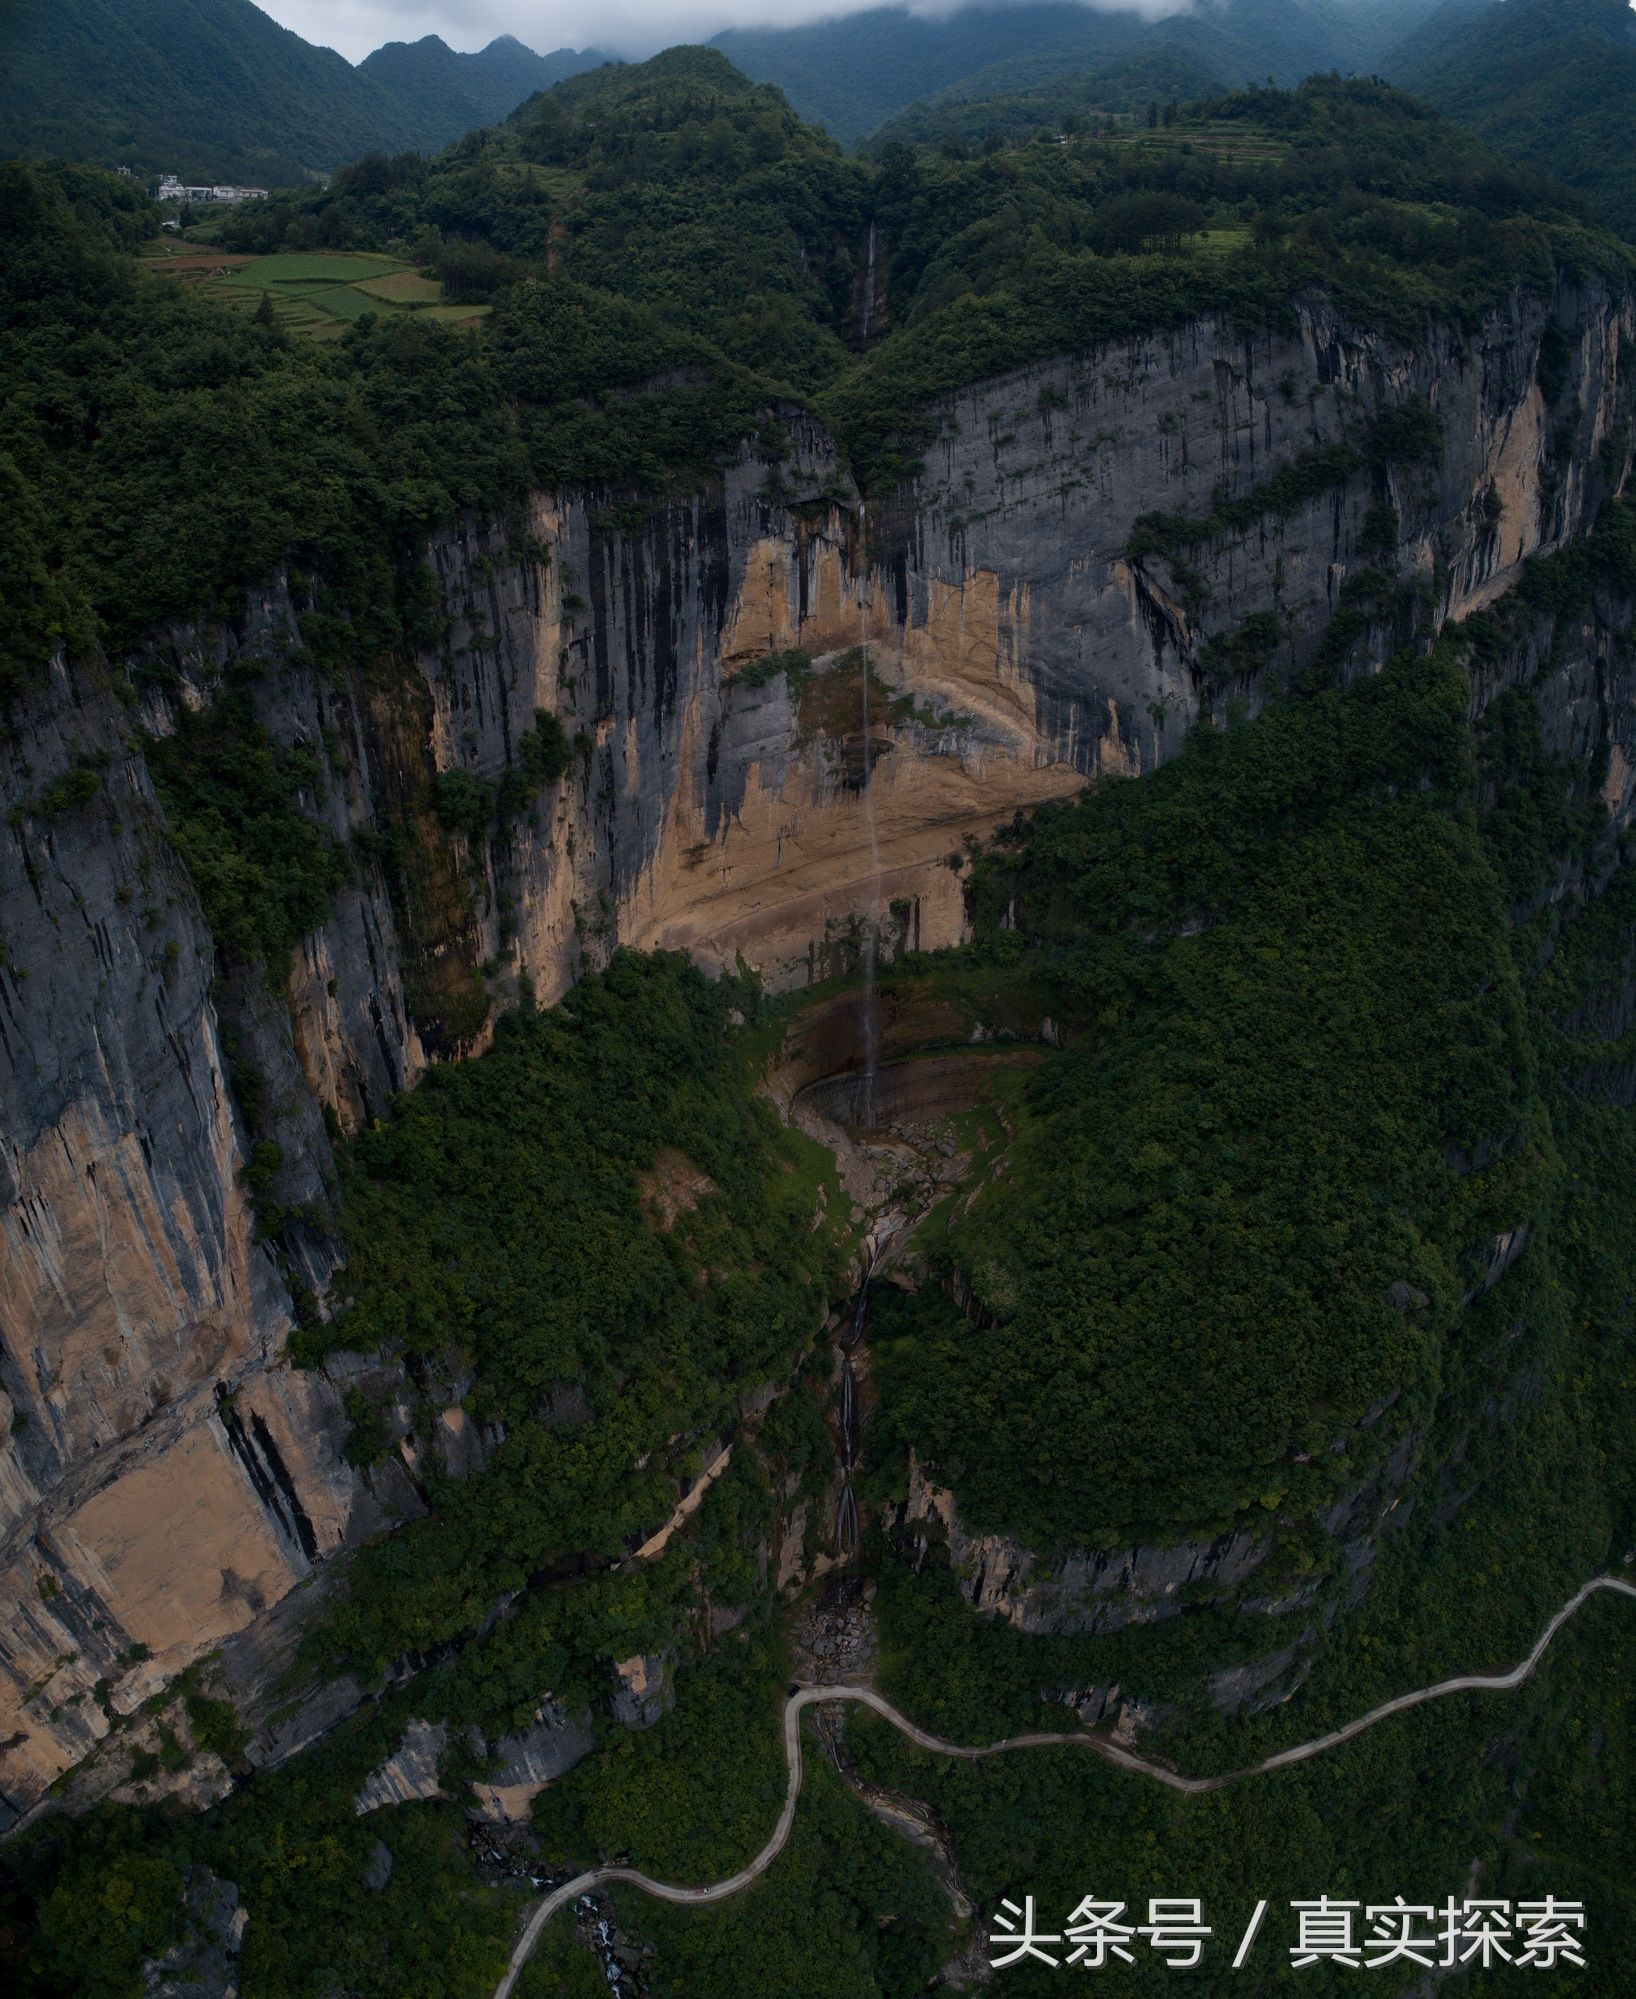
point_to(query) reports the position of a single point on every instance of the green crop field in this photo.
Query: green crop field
(560, 182)
(247, 298)
(1219, 242)
(318, 294)
(402, 288)
(347, 302)
(252, 279)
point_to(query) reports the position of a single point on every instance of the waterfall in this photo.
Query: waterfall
(849, 1415)
(868, 292)
(846, 1524)
(866, 1101)
(847, 1533)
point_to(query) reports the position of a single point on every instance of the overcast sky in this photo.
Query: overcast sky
(622, 27)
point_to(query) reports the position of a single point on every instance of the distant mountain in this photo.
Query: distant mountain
(1375, 28)
(1429, 44)
(454, 93)
(1550, 82)
(856, 72)
(216, 90)
(852, 74)
(984, 108)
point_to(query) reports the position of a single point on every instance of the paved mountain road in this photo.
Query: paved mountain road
(805, 1697)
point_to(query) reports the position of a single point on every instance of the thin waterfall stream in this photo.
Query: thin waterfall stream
(871, 934)
(847, 1533)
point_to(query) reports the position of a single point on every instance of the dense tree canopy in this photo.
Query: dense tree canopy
(1300, 1021)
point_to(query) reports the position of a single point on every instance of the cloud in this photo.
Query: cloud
(622, 27)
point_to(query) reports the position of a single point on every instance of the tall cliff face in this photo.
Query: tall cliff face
(1038, 482)
(168, 1478)
(164, 1479)
(1018, 649)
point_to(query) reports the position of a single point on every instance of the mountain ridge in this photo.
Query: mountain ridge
(854, 73)
(445, 88)
(218, 90)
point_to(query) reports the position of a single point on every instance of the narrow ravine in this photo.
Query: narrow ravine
(805, 1697)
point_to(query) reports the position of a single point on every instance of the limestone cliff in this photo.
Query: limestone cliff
(1018, 650)
(1094, 1590)
(168, 1478)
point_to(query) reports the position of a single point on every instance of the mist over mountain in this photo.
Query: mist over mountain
(854, 73)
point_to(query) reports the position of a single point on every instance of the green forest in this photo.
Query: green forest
(1270, 1103)
(522, 1245)
(1546, 81)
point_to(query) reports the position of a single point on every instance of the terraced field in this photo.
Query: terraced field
(1223, 138)
(316, 294)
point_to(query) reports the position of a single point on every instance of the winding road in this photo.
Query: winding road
(805, 1697)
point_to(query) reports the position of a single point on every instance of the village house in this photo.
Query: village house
(172, 189)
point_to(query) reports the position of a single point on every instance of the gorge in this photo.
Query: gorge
(1112, 866)
(1020, 651)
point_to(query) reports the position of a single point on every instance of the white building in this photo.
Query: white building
(172, 189)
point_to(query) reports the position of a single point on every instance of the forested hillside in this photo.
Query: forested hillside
(1550, 82)
(443, 94)
(217, 90)
(1280, 1107)
(987, 109)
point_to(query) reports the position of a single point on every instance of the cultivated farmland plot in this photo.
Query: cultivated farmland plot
(315, 294)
